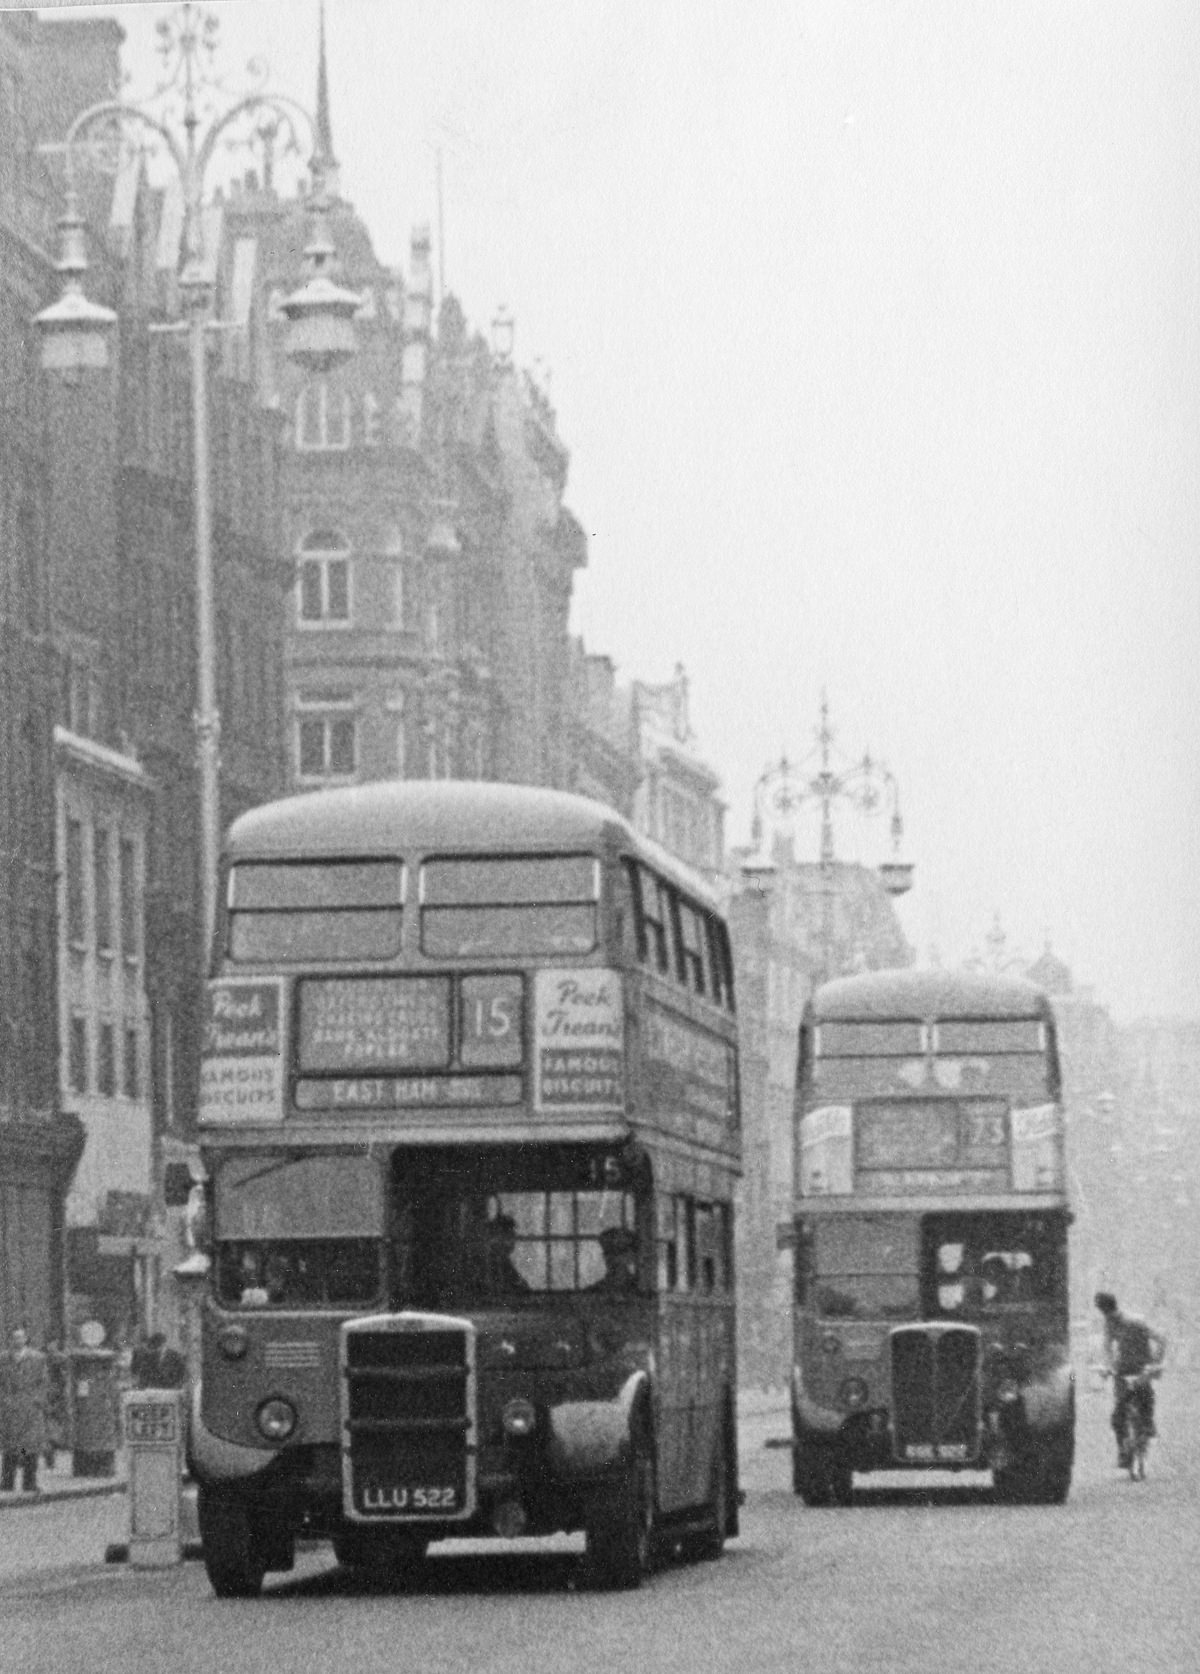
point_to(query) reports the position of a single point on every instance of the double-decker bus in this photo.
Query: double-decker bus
(469, 1119)
(931, 1317)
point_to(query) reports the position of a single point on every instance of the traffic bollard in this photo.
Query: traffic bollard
(152, 1423)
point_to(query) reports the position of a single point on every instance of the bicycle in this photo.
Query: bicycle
(1136, 1428)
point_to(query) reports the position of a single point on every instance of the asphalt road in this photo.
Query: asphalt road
(940, 1581)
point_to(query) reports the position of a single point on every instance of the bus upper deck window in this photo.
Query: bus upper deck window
(509, 906)
(329, 910)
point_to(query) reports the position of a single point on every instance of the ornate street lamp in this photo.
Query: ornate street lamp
(74, 330)
(865, 785)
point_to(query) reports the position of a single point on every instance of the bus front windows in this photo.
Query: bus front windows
(861, 1267)
(988, 1263)
(297, 1273)
(479, 1232)
(297, 1231)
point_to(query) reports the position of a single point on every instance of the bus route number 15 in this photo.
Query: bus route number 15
(490, 1025)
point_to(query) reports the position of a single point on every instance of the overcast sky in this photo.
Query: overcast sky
(873, 331)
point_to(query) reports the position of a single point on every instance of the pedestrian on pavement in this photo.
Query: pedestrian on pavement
(155, 1365)
(24, 1403)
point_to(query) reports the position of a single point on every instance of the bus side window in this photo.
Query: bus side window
(720, 961)
(710, 1252)
(685, 1234)
(668, 1246)
(653, 921)
(693, 950)
(669, 896)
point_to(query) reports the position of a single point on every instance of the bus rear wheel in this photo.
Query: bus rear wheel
(706, 1543)
(235, 1559)
(620, 1528)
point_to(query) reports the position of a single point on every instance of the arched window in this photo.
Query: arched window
(323, 580)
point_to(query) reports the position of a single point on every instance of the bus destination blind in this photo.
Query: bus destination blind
(374, 1023)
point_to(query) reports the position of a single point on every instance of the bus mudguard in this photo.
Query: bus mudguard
(811, 1414)
(1047, 1399)
(211, 1459)
(590, 1438)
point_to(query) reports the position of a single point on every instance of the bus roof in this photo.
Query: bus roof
(391, 815)
(926, 995)
(444, 816)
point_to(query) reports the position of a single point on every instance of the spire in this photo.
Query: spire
(324, 136)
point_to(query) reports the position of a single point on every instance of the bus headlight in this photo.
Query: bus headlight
(519, 1417)
(233, 1342)
(276, 1419)
(853, 1393)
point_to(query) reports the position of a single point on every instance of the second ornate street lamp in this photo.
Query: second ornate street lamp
(865, 785)
(75, 331)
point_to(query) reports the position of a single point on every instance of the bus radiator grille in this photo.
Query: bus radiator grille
(408, 1424)
(936, 1411)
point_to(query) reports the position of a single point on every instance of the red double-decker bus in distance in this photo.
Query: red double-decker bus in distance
(470, 1124)
(930, 1236)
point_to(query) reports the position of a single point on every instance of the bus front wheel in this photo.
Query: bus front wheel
(820, 1475)
(234, 1557)
(620, 1528)
(1040, 1474)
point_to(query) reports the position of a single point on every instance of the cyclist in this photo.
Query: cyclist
(1131, 1347)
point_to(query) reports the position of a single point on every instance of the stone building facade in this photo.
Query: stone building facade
(793, 925)
(97, 559)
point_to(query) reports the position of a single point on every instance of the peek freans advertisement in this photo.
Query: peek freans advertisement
(241, 1068)
(579, 1040)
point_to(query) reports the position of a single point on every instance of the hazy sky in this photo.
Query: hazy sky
(872, 329)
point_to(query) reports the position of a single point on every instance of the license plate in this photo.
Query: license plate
(379, 1499)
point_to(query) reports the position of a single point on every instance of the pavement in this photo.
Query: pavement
(59, 1482)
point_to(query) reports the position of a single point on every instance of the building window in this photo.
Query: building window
(106, 1060)
(395, 705)
(394, 552)
(78, 1052)
(322, 417)
(326, 737)
(323, 580)
(131, 942)
(75, 890)
(102, 876)
(132, 1066)
(372, 421)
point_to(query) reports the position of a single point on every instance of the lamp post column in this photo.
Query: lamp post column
(208, 720)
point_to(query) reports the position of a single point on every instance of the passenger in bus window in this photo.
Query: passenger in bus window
(500, 1242)
(951, 1283)
(253, 1291)
(618, 1246)
(995, 1280)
